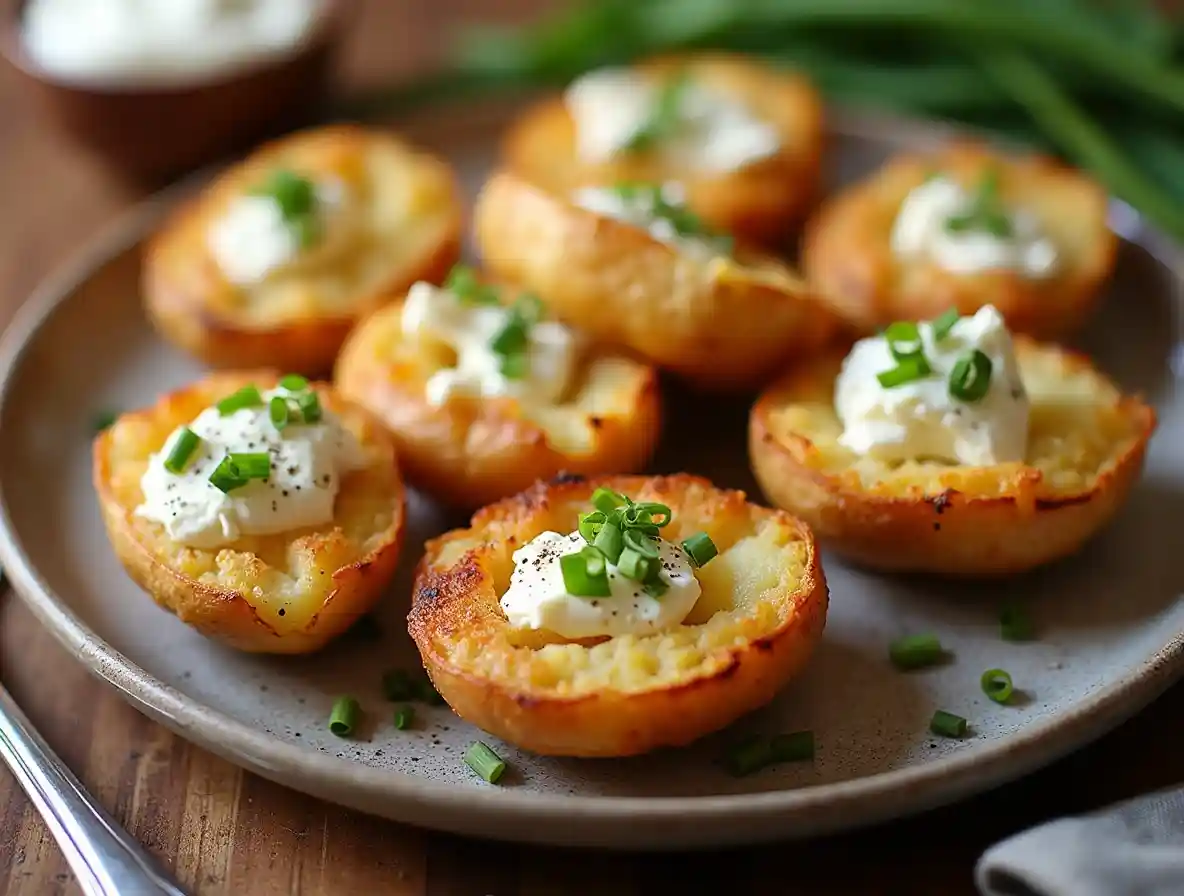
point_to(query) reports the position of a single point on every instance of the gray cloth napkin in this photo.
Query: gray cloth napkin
(1135, 848)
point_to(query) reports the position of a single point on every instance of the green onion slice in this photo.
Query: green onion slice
(591, 524)
(486, 763)
(641, 543)
(905, 371)
(750, 755)
(904, 340)
(635, 566)
(226, 476)
(404, 717)
(277, 411)
(184, 445)
(515, 366)
(664, 116)
(1015, 624)
(700, 548)
(943, 324)
(648, 513)
(610, 542)
(103, 420)
(996, 684)
(529, 308)
(310, 407)
(655, 586)
(795, 747)
(971, 377)
(463, 283)
(293, 382)
(606, 500)
(946, 724)
(294, 194)
(585, 573)
(246, 397)
(916, 652)
(344, 717)
(251, 465)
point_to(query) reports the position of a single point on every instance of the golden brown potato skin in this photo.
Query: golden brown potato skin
(722, 325)
(632, 694)
(759, 203)
(469, 453)
(1083, 459)
(232, 594)
(409, 218)
(847, 257)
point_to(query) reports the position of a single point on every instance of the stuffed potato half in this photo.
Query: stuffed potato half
(759, 202)
(286, 593)
(722, 323)
(469, 452)
(387, 215)
(848, 256)
(1085, 451)
(761, 611)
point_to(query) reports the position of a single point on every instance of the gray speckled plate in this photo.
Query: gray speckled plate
(1110, 620)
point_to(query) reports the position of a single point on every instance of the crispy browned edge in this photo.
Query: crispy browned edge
(951, 533)
(609, 724)
(180, 313)
(225, 614)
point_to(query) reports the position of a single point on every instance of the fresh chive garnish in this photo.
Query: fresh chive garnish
(293, 194)
(462, 282)
(905, 371)
(700, 548)
(344, 717)
(996, 684)
(664, 116)
(610, 542)
(1015, 624)
(606, 500)
(748, 756)
(970, 379)
(398, 685)
(640, 543)
(633, 565)
(103, 420)
(904, 340)
(916, 651)
(293, 382)
(514, 367)
(946, 724)
(277, 411)
(310, 407)
(226, 476)
(246, 397)
(184, 445)
(654, 586)
(486, 763)
(650, 512)
(251, 465)
(591, 524)
(404, 717)
(585, 573)
(512, 338)
(943, 324)
(795, 747)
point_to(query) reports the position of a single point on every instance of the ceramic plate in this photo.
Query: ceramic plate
(1110, 620)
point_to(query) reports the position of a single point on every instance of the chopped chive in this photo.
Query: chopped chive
(700, 548)
(610, 542)
(606, 500)
(512, 339)
(643, 544)
(293, 382)
(960, 223)
(397, 685)
(943, 324)
(916, 651)
(103, 420)
(585, 574)
(404, 717)
(591, 524)
(748, 756)
(529, 308)
(246, 397)
(664, 116)
(946, 724)
(906, 371)
(1015, 624)
(635, 566)
(226, 476)
(971, 377)
(344, 717)
(904, 340)
(515, 366)
(310, 407)
(655, 587)
(996, 684)
(306, 230)
(462, 282)
(486, 763)
(184, 444)
(252, 465)
(277, 411)
(646, 512)
(293, 193)
(795, 747)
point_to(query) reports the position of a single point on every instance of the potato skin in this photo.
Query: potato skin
(345, 567)
(759, 203)
(471, 453)
(724, 326)
(297, 319)
(847, 257)
(949, 520)
(713, 672)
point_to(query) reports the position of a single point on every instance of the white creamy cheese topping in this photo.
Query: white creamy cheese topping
(538, 599)
(252, 240)
(161, 42)
(921, 419)
(637, 208)
(921, 231)
(714, 132)
(307, 463)
(553, 349)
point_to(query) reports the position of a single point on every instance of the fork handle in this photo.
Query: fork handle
(106, 860)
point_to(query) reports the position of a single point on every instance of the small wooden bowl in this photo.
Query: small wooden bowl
(150, 133)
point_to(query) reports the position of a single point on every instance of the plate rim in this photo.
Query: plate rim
(476, 810)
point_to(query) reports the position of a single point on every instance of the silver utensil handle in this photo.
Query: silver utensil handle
(106, 860)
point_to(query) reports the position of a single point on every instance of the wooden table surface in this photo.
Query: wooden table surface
(223, 831)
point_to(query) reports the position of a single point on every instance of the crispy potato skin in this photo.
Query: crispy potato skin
(950, 520)
(722, 325)
(288, 593)
(759, 203)
(847, 257)
(470, 453)
(627, 695)
(409, 219)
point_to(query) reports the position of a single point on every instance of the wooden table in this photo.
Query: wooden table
(226, 832)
